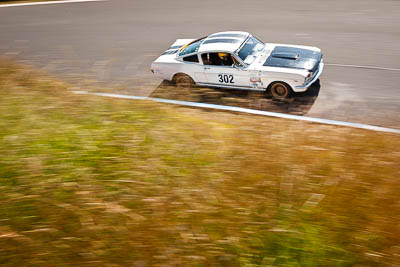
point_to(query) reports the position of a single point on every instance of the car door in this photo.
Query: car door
(224, 73)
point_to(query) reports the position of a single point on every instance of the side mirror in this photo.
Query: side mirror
(238, 67)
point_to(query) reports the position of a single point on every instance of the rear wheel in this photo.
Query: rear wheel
(183, 80)
(280, 90)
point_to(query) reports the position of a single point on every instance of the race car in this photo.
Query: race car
(238, 60)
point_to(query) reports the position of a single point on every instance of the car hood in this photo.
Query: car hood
(293, 57)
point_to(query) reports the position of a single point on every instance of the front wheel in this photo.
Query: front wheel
(280, 90)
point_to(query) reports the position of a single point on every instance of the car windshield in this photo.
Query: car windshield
(191, 47)
(247, 52)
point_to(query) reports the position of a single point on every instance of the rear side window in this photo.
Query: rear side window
(191, 47)
(192, 58)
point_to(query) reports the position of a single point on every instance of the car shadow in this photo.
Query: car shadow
(298, 104)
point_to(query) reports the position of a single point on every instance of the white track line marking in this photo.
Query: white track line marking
(49, 3)
(361, 67)
(246, 110)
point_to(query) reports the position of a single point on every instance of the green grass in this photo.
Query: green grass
(91, 181)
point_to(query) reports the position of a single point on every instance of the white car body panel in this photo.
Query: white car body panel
(254, 76)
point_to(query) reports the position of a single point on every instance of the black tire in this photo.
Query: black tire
(280, 90)
(183, 81)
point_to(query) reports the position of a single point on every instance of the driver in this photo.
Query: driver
(224, 59)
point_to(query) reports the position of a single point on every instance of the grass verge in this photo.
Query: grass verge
(93, 181)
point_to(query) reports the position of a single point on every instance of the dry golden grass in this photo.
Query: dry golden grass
(89, 181)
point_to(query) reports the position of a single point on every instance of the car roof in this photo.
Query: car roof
(228, 41)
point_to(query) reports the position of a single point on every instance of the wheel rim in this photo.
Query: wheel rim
(279, 90)
(183, 82)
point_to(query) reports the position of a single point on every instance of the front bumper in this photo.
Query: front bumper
(313, 80)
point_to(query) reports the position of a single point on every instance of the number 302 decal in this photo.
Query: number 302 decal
(225, 78)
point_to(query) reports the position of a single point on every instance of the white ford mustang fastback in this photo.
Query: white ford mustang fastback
(238, 60)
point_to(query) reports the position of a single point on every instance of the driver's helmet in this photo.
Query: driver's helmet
(223, 55)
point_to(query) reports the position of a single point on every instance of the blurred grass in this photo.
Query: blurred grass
(90, 181)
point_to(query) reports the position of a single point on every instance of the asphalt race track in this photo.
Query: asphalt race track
(115, 41)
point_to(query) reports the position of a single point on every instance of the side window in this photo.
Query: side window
(206, 59)
(192, 58)
(217, 59)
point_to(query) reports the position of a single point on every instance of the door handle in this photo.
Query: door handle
(207, 68)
